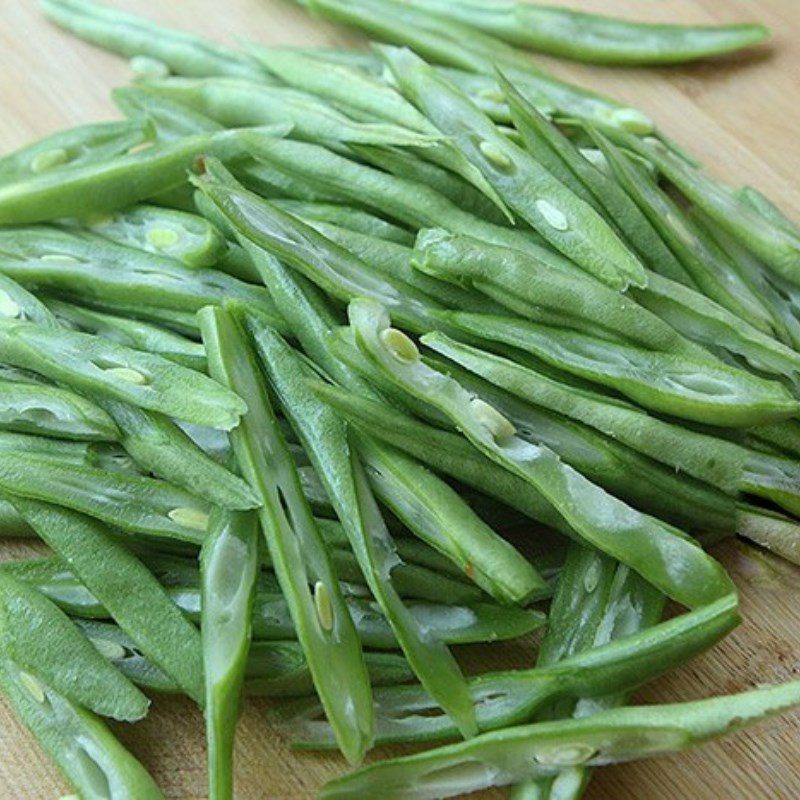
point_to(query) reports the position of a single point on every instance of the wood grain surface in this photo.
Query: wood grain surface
(741, 117)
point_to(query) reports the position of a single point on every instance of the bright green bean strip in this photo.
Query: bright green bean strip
(659, 553)
(96, 271)
(353, 219)
(185, 237)
(777, 245)
(131, 35)
(324, 437)
(110, 571)
(569, 299)
(132, 503)
(568, 223)
(111, 184)
(159, 446)
(503, 757)
(81, 145)
(677, 384)
(52, 411)
(408, 714)
(97, 366)
(335, 270)
(446, 42)
(324, 626)
(593, 37)
(229, 565)
(171, 120)
(132, 333)
(81, 746)
(237, 103)
(704, 263)
(42, 640)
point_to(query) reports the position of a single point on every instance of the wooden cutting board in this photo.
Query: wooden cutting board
(741, 117)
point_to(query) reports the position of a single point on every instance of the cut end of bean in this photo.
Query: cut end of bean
(491, 419)
(633, 121)
(8, 306)
(147, 67)
(189, 518)
(110, 650)
(322, 603)
(553, 216)
(400, 345)
(495, 155)
(49, 159)
(128, 375)
(569, 756)
(162, 238)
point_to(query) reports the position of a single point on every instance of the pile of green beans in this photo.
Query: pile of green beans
(253, 481)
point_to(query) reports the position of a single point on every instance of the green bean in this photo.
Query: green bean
(185, 237)
(564, 220)
(766, 208)
(408, 714)
(678, 384)
(446, 42)
(569, 165)
(131, 35)
(132, 503)
(648, 484)
(94, 365)
(40, 639)
(162, 448)
(537, 291)
(324, 626)
(95, 271)
(593, 37)
(705, 265)
(353, 219)
(238, 103)
(688, 575)
(772, 531)
(114, 183)
(68, 452)
(109, 571)
(334, 269)
(82, 747)
(776, 244)
(325, 439)
(596, 601)
(18, 303)
(131, 333)
(171, 120)
(81, 145)
(229, 565)
(538, 750)
(414, 205)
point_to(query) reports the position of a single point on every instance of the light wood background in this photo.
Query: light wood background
(741, 116)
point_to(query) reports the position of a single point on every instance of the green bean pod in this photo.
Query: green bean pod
(301, 561)
(41, 639)
(18, 303)
(96, 366)
(593, 37)
(82, 747)
(132, 503)
(687, 574)
(228, 566)
(504, 757)
(131, 35)
(109, 571)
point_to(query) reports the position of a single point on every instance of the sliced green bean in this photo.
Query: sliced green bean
(568, 223)
(18, 303)
(687, 574)
(324, 626)
(132, 503)
(109, 571)
(504, 757)
(162, 448)
(678, 384)
(229, 565)
(766, 208)
(593, 37)
(82, 747)
(131, 35)
(81, 145)
(97, 366)
(42, 640)
(185, 237)
(132, 333)
(325, 439)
